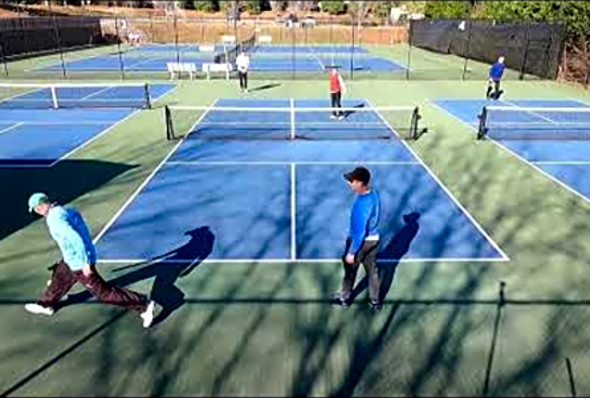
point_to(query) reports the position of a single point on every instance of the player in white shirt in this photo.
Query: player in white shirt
(243, 63)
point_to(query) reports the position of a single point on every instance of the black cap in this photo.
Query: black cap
(358, 174)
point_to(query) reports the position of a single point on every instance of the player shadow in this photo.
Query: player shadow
(393, 252)
(167, 269)
(350, 112)
(267, 86)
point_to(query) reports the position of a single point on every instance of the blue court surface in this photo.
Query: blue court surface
(32, 134)
(266, 48)
(286, 200)
(564, 160)
(274, 58)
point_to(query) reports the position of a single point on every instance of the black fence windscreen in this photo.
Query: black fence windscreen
(530, 48)
(25, 36)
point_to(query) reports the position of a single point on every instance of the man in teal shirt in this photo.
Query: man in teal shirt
(68, 229)
(363, 239)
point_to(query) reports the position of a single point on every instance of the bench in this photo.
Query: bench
(179, 68)
(207, 48)
(209, 68)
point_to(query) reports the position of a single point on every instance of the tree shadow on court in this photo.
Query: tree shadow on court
(167, 269)
(390, 255)
(64, 182)
(267, 86)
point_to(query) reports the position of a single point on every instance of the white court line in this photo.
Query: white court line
(84, 144)
(531, 164)
(575, 162)
(532, 113)
(95, 93)
(446, 190)
(15, 125)
(94, 138)
(303, 260)
(293, 215)
(149, 178)
(282, 163)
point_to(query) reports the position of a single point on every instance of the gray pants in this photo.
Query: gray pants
(367, 255)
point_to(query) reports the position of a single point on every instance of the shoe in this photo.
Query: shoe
(376, 305)
(332, 117)
(340, 117)
(246, 90)
(148, 315)
(39, 309)
(341, 301)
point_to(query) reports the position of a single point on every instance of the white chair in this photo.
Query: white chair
(209, 68)
(176, 68)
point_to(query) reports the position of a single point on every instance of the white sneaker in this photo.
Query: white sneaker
(148, 315)
(340, 117)
(332, 117)
(39, 309)
(246, 90)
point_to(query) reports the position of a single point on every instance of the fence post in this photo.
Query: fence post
(466, 51)
(3, 54)
(293, 48)
(23, 30)
(525, 53)
(352, 25)
(175, 23)
(409, 51)
(152, 26)
(121, 64)
(58, 41)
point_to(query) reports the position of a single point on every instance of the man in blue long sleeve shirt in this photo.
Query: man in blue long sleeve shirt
(494, 79)
(363, 239)
(68, 229)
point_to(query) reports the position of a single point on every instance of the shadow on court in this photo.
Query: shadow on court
(263, 87)
(64, 182)
(350, 111)
(167, 269)
(393, 251)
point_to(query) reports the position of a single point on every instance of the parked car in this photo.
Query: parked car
(308, 22)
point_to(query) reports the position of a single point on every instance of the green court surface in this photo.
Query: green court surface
(269, 328)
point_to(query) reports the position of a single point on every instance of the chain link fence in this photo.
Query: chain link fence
(141, 47)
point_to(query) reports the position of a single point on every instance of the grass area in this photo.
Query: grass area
(267, 329)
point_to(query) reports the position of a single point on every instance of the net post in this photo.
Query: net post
(169, 127)
(481, 131)
(54, 101)
(413, 133)
(148, 97)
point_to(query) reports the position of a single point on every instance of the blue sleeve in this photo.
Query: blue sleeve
(69, 241)
(358, 225)
(496, 71)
